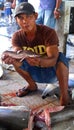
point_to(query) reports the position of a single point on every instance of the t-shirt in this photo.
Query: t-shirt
(44, 36)
(47, 4)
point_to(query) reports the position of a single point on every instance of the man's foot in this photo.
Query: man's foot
(24, 91)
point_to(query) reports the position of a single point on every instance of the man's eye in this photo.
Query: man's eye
(19, 17)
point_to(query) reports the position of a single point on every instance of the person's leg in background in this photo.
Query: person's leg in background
(40, 19)
(49, 19)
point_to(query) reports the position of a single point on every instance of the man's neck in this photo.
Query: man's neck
(31, 34)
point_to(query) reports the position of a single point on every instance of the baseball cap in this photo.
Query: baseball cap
(25, 8)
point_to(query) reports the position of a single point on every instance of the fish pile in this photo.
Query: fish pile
(53, 116)
(23, 118)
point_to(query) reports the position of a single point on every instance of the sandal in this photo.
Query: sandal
(24, 91)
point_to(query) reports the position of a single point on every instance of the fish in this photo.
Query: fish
(63, 115)
(55, 116)
(22, 55)
(22, 117)
(50, 90)
(14, 117)
(53, 89)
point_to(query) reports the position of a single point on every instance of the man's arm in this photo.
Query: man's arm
(57, 10)
(58, 3)
(48, 60)
(51, 58)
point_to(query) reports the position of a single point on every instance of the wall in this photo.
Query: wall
(62, 25)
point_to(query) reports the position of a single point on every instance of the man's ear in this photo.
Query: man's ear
(36, 15)
(16, 19)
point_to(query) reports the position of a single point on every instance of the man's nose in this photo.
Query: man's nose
(24, 20)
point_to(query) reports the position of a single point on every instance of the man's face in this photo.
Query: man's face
(26, 22)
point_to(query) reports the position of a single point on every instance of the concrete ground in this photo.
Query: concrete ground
(11, 82)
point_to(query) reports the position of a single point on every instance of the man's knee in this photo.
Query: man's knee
(62, 60)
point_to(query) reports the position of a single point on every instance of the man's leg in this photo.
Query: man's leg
(32, 85)
(62, 73)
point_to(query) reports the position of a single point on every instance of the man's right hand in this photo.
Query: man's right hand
(57, 14)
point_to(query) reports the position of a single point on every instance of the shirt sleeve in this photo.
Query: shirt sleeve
(15, 40)
(51, 38)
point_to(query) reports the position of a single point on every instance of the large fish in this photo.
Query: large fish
(22, 118)
(55, 116)
(50, 90)
(22, 55)
(63, 115)
(14, 117)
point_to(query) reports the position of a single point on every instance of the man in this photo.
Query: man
(48, 12)
(43, 41)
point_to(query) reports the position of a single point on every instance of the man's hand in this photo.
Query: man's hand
(7, 59)
(57, 14)
(33, 61)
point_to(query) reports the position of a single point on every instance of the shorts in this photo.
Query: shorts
(44, 75)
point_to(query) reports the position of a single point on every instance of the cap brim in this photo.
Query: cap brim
(23, 12)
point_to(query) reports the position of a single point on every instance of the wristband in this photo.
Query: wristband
(56, 9)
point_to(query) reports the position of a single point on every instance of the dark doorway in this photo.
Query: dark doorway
(71, 25)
